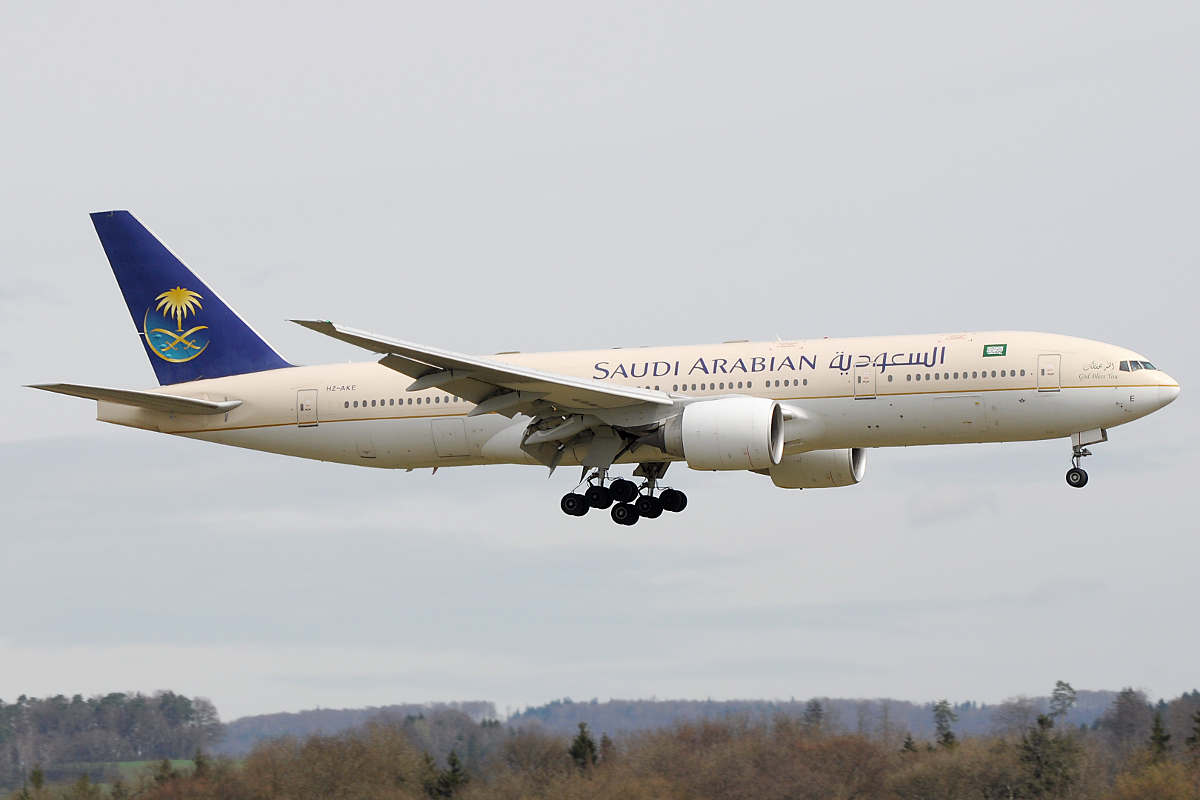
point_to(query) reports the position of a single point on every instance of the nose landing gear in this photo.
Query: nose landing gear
(1076, 477)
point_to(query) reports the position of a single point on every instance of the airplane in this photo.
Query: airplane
(801, 412)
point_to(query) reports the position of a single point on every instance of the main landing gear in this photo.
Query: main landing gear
(629, 502)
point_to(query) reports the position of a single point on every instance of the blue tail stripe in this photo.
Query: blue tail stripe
(188, 331)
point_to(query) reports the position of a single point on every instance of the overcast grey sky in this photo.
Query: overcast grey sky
(554, 176)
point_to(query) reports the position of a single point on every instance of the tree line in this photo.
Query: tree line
(1134, 750)
(54, 732)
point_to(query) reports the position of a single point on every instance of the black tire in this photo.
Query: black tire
(673, 500)
(599, 497)
(574, 505)
(684, 496)
(624, 514)
(1076, 478)
(649, 506)
(622, 490)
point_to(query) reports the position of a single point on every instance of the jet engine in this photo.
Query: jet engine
(729, 433)
(819, 469)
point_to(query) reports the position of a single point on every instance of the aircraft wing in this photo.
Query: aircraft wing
(494, 386)
(150, 400)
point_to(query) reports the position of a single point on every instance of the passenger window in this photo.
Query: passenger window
(926, 376)
(418, 401)
(890, 378)
(910, 377)
(937, 376)
(723, 385)
(993, 373)
(347, 404)
(739, 384)
(806, 381)
(749, 384)
(974, 374)
(1022, 373)
(410, 401)
(786, 383)
(1002, 375)
(918, 376)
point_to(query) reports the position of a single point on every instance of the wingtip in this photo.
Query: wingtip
(314, 324)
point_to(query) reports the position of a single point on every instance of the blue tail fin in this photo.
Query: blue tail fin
(188, 331)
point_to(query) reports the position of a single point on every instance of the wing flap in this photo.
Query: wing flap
(149, 400)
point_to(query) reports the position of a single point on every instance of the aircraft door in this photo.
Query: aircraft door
(864, 382)
(306, 408)
(1048, 379)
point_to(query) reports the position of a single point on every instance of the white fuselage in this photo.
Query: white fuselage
(889, 391)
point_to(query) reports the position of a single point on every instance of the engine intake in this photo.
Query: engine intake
(729, 433)
(820, 469)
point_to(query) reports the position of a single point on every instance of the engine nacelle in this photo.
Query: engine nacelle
(729, 433)
(820, 469)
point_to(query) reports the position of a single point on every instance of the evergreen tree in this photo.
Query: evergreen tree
(583, 749)
(453, 776)
(1061, 699)
(1160, 740)
(910, 744)
(814, 714)
(443, 783)
(37, 778)
(83, 789)
(1050, 759)
(1193, 741)
(943, 715)
(165, 772)
(201, 762)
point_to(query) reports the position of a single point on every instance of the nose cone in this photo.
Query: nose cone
(1167, 392)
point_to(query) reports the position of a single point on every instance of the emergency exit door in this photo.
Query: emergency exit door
(306, 408)
(1048, 379)
(864, 382)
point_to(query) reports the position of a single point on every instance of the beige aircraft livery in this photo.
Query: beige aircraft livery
(801, 413)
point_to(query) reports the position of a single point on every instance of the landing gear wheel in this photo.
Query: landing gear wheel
(623, 491)
(649, 506)
(624, 514)
(574, 505)
(1076, 477)
(673, 500)
(598, 497)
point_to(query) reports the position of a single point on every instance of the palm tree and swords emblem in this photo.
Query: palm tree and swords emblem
(177, 345)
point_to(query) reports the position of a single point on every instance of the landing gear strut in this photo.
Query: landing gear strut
(629, 501)
(1076, 477)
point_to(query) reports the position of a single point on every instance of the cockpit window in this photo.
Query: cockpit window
(1124, 366)
(1148, 365)
(1134, 366)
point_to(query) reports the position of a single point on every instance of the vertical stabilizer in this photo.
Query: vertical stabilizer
(188, 331)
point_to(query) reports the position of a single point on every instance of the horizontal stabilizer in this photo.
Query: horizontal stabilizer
(149, 400)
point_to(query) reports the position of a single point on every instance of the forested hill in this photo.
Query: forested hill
(242, 734)
(849, 716)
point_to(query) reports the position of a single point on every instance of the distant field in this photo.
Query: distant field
(107, 771)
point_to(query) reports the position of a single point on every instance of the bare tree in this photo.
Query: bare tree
(1015, 716)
